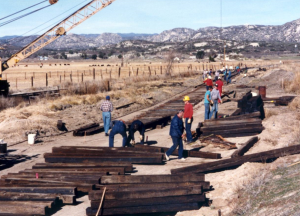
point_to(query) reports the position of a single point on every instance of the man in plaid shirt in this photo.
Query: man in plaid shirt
(106, 108)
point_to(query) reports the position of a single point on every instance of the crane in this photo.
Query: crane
(51, 35)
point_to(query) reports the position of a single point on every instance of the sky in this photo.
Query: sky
(150, 16)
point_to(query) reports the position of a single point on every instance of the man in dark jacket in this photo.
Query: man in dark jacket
(176, 132)
(119, 127)
(134, 127)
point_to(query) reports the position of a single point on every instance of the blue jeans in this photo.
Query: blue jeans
(207, 111)
(188, 127)
(106, 116)
(214, 109)
(176, 141)
(118, 129)
(228, 80)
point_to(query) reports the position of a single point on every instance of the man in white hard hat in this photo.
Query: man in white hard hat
(208, 82)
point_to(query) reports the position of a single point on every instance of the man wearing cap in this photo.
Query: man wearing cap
(215, 97)
(220, 86)
(207, 102)
(106, 108)
(208, 82)
(119, 127)
(176, 132)
(188, 118)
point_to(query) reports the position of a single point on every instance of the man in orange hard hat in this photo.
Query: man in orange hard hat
(188, 118)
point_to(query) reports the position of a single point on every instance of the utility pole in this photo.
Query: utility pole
(224, 51)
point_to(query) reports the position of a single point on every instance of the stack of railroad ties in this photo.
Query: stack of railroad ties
(72, 171)
(245, 121)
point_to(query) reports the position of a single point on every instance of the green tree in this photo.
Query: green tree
(84, 55)
(120, 56)
(94, 57)
(71, 52)
(211, 59)
(200, 54)
(64, 56)
(102, 55)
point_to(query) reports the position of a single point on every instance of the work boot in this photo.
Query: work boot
(182, 159)
(106, 134)
(167, 157)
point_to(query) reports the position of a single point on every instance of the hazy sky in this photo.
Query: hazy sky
(152, 16)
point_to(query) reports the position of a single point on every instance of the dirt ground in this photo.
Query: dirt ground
(275, 135)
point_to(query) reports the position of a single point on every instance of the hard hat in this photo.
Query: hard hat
(209, 77)
(186, 98)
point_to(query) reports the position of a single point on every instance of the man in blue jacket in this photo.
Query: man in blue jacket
(119, 127)
(176, 132)
(134, 127)
(229, 77)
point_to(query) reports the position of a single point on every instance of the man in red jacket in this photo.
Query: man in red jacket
(208, 82)
(188, 118)
(220, 86)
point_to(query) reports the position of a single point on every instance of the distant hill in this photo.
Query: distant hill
(289, 32)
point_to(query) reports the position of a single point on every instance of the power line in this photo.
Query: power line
(23, 10)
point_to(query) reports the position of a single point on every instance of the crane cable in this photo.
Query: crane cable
(16, 40)
(23, 10)
(20, 17)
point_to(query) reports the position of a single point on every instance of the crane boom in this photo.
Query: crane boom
(57, 31)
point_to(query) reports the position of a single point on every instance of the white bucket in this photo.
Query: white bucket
(31, 139)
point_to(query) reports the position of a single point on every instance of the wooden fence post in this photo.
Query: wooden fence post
(161, 70)
(149, 70)
(60, 79)
(101, 74)
(119, 72)
(137, 71)
(32, 82)
(71, 78)
(94, 73)
(81, 77)
(46, 79)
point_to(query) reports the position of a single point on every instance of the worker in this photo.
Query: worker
(220, 87)
(118, 127)
(106, 108)
(229, 77)
(207, 102)
(188, 118)
(134, 127)
(210, 72)
(217, 74)
(208, 82)
(176, 132)
(225, 74)
(215, 97)
(204, 74)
